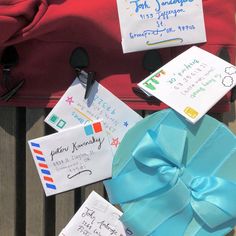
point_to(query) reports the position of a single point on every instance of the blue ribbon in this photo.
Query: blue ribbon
(160, 180)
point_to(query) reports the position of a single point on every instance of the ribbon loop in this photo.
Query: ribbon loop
(148, 152)
(155, 147)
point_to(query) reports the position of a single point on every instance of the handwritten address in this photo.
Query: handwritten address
(100, 107)
(74, 159)
(189, 80)
(96, 217)
(75, 146)
(162, 14)
(160, 22)
(90, 225)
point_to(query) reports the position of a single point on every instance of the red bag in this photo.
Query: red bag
(46, 32)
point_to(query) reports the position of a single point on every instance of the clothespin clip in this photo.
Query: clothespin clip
(151, 62)
(8, 60)
(224, 54)
(79, 60)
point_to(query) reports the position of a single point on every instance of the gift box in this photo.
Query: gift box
(174, 178)
(45, 33)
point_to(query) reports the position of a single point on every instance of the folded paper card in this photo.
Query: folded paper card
(192, 83)
(96, 217)
(149, 24)
(72, 158)
(175, 178)
(73, 109)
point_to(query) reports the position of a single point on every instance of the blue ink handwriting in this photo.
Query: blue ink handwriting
(171, 2)
(146, 16)
(149, 32)
(145, 33)
(107, 107)
(78, 118)
(165, 15)
(186, 27)
(139, 5)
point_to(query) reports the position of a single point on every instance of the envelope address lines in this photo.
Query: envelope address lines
(162, 16)
(100, 108)
(41, 162)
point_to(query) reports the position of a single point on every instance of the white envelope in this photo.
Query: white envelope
(72, 158)
(72, 109)
(96, 217)
(150, 24)
(191, 83)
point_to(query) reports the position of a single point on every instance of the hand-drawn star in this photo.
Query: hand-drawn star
(69, 100)
(126, 124)
(115, 142)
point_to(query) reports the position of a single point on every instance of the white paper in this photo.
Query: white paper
(192, 83)
(96, 217)
(72, 158)
(72, 109)
(149, 24)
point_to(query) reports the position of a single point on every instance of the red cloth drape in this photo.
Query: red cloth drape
(46, 32)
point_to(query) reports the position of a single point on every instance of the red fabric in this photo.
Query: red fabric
(46, 32)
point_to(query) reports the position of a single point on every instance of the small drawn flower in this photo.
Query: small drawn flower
(227, 81)
(230, 70)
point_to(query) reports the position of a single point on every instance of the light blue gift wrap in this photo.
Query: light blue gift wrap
(173, 178)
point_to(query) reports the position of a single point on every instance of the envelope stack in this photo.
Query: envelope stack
(172, 173)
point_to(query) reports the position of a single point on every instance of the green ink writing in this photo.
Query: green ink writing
(153, 80)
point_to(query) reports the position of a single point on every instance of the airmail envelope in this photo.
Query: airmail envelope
(72, 158)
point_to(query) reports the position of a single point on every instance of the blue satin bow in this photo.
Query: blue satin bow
(158, 179)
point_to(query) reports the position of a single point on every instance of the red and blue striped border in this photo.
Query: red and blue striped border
(43, 166)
